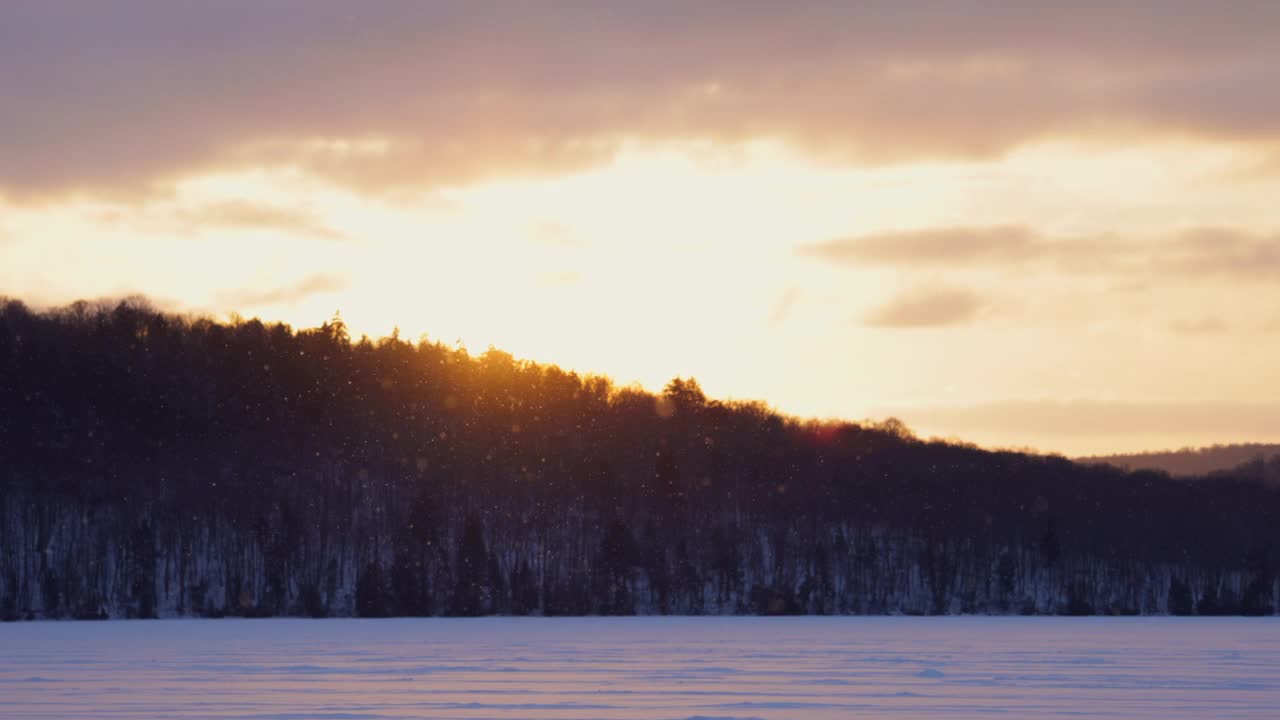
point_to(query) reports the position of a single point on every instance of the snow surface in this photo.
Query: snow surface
(647, 667)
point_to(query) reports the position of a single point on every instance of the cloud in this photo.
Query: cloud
(1205, 252)
(951, 246)
(1261, 165)
(1226, 252)
(318, 284)
(783, 306)
(551, 233)
(559, 278)
(1095, 418)
(927, 307)
(399, 94)
(986, 247)
(1208, 325)
(244, 215)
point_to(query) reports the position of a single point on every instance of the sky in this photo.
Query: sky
(1022, 224)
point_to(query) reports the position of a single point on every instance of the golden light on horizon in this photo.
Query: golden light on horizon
(1004, 220)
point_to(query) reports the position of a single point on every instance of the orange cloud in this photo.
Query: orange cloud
(1207, 325)
(318, 284)
(1207, 252)
(245, 215)
(942, 246)
(927, 307)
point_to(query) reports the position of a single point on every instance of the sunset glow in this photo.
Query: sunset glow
(1002, 226)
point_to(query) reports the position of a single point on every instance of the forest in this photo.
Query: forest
(160, 465)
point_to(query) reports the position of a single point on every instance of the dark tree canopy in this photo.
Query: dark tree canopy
(154, 464)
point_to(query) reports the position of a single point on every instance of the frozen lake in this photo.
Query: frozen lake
(651, 668)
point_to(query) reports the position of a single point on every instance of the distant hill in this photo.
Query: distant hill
(1191, 461)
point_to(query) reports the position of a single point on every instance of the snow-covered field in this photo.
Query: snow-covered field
(793, 668)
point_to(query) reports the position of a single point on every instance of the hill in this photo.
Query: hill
(1192, 461)
(154, 464)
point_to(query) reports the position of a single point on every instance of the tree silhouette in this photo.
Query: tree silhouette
(154, 464)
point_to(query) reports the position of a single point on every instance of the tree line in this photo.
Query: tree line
(154, 464)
